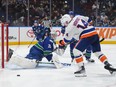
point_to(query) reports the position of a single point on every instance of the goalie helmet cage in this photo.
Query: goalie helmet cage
(3, 44)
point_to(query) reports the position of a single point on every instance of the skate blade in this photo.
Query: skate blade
(91, 61)
(112, 72)
(80, 75)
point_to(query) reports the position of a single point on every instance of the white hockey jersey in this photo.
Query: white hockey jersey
(79, 28)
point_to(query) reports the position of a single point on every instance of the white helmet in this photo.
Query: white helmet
(65, 19)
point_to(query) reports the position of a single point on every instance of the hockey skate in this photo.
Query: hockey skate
(90, 60)
(111, 69)
(81, 72)
(10, 53)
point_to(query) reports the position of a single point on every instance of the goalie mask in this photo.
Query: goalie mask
(65, 20)
(53, 34)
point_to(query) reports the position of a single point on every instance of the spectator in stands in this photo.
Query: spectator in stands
(106, 22)
(40, 8)
(46, 22)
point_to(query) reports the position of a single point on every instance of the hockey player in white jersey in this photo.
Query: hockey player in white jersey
(87, 52)
(79, 29)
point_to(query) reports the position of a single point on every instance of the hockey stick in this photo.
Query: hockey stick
(31, 42)
(64, 64)
(102, 39)
(75, 41)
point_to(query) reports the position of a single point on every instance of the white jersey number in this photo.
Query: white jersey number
(80, 23)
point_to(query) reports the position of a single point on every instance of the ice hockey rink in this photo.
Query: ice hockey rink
(46, 75)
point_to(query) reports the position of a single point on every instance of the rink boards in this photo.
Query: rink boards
(24, 35)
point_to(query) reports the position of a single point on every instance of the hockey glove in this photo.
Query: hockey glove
(61, 44)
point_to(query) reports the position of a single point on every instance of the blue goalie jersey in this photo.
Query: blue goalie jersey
(42, 49)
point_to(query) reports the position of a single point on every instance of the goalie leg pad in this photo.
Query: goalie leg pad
(59, 51)
(56, 61)
(23, 62)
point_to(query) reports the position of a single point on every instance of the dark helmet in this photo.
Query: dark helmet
(35, 23)
(71, 13)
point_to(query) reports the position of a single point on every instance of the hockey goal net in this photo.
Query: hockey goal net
(3, 44)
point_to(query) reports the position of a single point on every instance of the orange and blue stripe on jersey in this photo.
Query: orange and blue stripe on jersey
(88, 33)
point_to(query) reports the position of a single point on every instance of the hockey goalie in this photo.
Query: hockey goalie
(46, 48)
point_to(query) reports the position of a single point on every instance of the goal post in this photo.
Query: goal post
(3, 44)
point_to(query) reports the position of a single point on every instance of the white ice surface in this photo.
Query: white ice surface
(48, 76)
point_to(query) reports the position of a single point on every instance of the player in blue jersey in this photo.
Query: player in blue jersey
(87, 52)
(42, 49)
(38, 31)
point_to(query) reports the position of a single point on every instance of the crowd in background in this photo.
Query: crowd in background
(40, 10)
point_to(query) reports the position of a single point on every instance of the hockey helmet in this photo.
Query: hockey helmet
(35, 23)
(65, 20)
(71, 13)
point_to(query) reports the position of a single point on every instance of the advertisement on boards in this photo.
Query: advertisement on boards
(24, 35)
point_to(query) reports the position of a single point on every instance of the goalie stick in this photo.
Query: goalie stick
(31, 42)
(64, 64)
(102, 40)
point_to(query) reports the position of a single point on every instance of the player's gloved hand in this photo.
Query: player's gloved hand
(61, 44)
